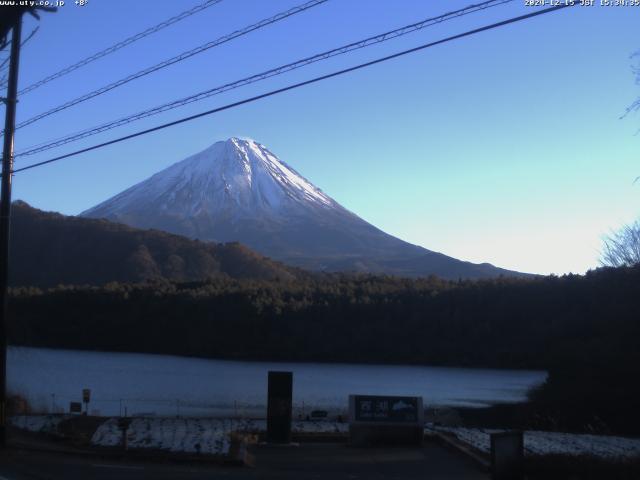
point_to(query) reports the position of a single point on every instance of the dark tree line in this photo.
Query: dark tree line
(584, 329)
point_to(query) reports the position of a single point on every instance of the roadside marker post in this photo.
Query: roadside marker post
(86, 398)
(507, 455)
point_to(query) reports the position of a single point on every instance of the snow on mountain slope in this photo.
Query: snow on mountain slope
(237, 190)
(237, 173)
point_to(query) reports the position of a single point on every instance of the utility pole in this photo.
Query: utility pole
(11, 19)
(5, 215)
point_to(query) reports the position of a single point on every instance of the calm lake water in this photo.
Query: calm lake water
(169, 385)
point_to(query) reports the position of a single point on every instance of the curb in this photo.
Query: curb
(448, 441)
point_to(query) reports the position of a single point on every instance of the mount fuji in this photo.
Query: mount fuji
(237, 190)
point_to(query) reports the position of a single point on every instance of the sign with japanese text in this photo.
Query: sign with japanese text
(385, 409)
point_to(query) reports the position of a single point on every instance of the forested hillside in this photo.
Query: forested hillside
(49, 249)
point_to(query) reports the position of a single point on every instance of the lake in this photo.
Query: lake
(134, 383)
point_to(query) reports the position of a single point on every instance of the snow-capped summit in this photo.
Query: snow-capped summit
(237, 190)
(238, 176)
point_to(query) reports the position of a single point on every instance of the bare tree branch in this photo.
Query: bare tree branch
(622, 248)
(635, 106)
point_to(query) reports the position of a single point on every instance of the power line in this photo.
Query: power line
(43, 146)
(4, 65)
(121, 44)
(178, 58)
(298, 85)
(383, 37)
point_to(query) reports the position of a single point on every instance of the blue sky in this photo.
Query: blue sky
(504, 147)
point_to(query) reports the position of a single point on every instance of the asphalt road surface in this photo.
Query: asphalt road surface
(307, 461)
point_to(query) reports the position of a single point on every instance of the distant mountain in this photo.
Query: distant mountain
(48, 249)
(237, 190)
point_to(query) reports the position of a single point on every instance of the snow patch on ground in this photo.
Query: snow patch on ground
(38, 423)
(210, 436)
(554, 443)
(319, 427)
(190, 435)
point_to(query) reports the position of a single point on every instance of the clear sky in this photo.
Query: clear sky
(505, 147)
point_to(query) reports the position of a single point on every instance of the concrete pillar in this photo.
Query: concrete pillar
(279, 402)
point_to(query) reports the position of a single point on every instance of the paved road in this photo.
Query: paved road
(305, 462)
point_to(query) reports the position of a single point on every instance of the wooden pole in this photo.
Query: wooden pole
(5, 215)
